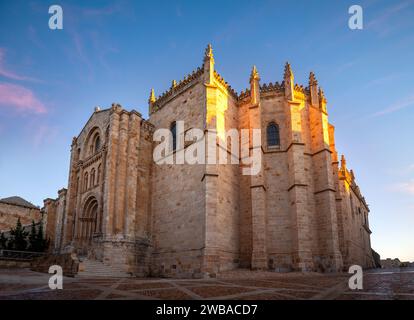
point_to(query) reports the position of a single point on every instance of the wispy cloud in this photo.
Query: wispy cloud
(381, 23)
(408, 102)
(34, 38)
(42, 134)
(5, 72)
(404, 187)
(20, 98)
(382, 80)
(103, 11)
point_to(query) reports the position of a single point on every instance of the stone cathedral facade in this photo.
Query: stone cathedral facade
(302, 211)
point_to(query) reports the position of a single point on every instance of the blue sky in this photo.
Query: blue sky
(50, 81)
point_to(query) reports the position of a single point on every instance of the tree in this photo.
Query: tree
(33, 237)
(3, 241)
(41, 243)
(18, 237)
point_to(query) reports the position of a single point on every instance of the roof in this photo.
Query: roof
(19, 202)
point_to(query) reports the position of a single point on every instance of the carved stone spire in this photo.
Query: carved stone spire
(254, 75)
(152, 98)
(209, 52)
(288, 71)
(254, 86)
(343, 163)
(151, 101)
(312, 79)
(208, 65)
(313, 88)
(173, 84)
(289, 82)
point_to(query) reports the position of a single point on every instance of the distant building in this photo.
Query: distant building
(13, 208)
(390, 263)
(407, 264)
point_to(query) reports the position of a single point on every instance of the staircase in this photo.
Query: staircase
(94, 268)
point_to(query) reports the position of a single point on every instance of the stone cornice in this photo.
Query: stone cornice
(178, 88)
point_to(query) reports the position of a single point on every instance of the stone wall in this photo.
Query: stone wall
(177, 198)
(10, 213)
(69, 263)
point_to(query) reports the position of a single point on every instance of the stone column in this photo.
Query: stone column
(298, 189)
(324, 188)
(109, 218)
(257, 181)
(131, 188)
(121, 174)
(69, 218)
(211, 259)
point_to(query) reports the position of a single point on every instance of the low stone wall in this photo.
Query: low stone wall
(68, 261)
(11, 263)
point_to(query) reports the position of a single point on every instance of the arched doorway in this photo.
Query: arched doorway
(89, 221)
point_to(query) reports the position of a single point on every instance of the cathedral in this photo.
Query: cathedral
(302, 210)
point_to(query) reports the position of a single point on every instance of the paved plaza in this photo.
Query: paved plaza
(234, 285)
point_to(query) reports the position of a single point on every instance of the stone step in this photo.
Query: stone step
(94, 268)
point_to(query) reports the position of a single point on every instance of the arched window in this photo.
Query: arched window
(97, 143)
(92, 182)
(174, 135)
(85, 182)
(98, 177)
(273, 137)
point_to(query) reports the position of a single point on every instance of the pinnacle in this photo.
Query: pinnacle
(254, 75)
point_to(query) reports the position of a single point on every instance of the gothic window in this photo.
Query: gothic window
(92, 182)
(85, 182)
(174, 135)
(273, 137)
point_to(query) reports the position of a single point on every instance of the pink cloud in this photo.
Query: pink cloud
(20, 99)
(11, 74)
(404, 187)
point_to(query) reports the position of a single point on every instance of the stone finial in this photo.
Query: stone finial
(152, 98)
(209, 52)
(74, 141)
(289, 82)
(288, 71)
(322, 100)
(343, 162)
(352, 175)
(254, 86)
(254, 75)
(313, 89)
(208, 66)
(97, 108)
(173, 84)
(321, 94)
(312, 79)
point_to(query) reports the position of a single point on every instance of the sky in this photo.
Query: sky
(116, 51)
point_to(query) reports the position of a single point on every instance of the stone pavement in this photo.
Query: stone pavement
(237, 284)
